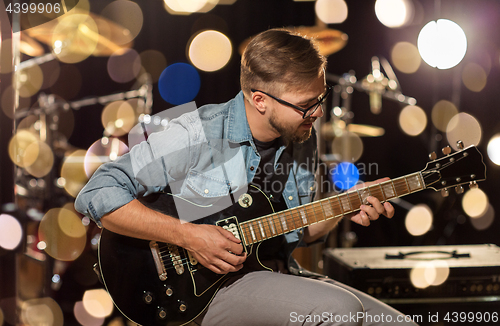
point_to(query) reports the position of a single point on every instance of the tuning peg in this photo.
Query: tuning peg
(473, 185)
(446, 150)
(459, 189)
(445, 192)
(432, 156)
(460, 145)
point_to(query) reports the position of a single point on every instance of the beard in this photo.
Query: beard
(289, 134)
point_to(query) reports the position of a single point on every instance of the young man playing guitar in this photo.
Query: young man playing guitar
(217, 152)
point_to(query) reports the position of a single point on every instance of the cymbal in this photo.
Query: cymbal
(30, 47)
(110, 38)
(329, 131)
(329, 40)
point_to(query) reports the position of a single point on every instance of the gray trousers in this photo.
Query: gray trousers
(265, 298)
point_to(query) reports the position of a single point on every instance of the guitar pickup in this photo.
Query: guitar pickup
(231, 224)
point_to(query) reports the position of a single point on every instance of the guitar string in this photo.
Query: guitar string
(400, 187)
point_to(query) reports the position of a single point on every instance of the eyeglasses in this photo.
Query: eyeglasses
(308, 111)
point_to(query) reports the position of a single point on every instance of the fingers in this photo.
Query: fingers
(372, 212)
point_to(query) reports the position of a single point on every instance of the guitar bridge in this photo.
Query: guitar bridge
(160, 267)
(176, 258)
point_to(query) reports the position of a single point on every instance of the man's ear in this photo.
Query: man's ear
(259, 102)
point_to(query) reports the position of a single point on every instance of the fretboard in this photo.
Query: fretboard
(282, 222)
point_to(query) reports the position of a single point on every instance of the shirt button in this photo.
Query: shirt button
(206, 191)
(252, 168)
(290, 197)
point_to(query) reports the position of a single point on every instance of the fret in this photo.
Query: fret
(354, 199)
(315, 217)
(251, 232)
(364, 194)
(270, 221)
(291, 219)
(407, 186)
(340, 205)
(244, 231)
(414, 183)
(284, 225)
(261, 228)
(346, 204)
(376, 192)
(382, 192)
(401, 187)
(303, 216)
(327, 209)
(389, 190)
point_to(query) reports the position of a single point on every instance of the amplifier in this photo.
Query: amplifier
(461, 273)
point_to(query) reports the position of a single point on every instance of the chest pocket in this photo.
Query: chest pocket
(207, 186)
(306, 187)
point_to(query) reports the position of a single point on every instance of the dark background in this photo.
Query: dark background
(395, 153)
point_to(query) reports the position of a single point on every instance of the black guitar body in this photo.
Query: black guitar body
(157, 284)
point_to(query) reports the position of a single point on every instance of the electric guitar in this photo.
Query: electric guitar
(157, 284)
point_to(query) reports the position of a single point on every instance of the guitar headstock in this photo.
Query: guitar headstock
(454, 170)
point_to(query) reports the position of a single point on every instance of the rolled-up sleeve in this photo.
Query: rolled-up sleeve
(144, 170)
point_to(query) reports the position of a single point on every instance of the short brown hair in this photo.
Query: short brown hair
(279, 58)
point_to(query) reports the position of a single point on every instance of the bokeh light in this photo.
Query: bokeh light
(442, 112)
(98, 303)
(348, 146)
(493, 149)
(153, 62)
(29, 81)
(118, 118)
(331, 11)
(124, 67)
(394, 13)
(42, 311)
(413, 120)
(210, 50)
(84, 317)
(185, 7)
(344, 175)
(484, 221)
(11, 232)
(179, 83)
(18, 146)
(405, 57)
(73, 176)
(63, 233)
(102, 151)
(127, 14)
(419, 220)
(75, 37)
(44, 159)
(474, 77)
(463, 127)
(475, 202)
(429, 273)
(442, 44)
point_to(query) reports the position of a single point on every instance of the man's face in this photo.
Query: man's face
(287, 121)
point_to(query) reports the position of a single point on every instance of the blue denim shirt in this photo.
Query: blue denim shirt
(201, 155)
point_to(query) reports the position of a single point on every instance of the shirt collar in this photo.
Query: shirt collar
(239, 129)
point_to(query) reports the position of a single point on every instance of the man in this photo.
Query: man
(217, 151)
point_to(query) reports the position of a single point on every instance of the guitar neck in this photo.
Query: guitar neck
(334, 207)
